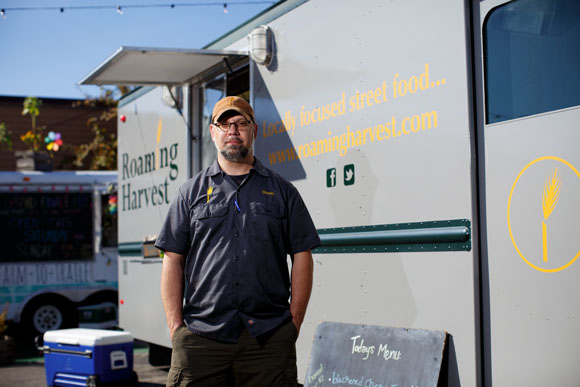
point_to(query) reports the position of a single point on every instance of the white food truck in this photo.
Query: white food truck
(435, 144)
(59, 246)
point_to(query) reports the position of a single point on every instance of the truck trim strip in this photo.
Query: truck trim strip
(131, 249)
(443, 235)
(439, 235)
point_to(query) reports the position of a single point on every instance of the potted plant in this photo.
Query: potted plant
(6, 342)
(32, 158)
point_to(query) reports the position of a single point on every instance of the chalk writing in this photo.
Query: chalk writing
(352, 381)
(388, 354)
(346, 355)
(317, 377)
(345, 379)
(366, 351)
(358, 346)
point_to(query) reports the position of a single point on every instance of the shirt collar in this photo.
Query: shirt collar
(260, 168)
(215, 169)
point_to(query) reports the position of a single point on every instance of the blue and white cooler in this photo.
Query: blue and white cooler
(88, 357)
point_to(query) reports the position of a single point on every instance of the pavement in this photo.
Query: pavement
(28, 367)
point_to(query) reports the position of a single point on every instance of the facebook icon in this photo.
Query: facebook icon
(331, 177)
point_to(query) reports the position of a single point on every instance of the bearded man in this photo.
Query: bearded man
(233, 311)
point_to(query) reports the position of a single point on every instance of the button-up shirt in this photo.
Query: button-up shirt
(236, 240)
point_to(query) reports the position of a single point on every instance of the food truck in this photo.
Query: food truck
(434, 143)
(59, 246)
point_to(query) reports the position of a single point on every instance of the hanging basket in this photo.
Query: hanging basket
(29, 160)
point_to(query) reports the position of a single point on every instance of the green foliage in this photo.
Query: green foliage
(32, 106)
(32, 138)
(102, 150)
(5, 136)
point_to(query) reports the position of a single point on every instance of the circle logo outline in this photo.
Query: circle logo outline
(508, 214)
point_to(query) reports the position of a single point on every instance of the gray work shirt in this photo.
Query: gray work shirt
(236, 240)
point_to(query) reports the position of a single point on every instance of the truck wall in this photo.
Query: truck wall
(367, 112)
(153, 162)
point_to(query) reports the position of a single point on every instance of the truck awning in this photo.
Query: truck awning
(157, 66)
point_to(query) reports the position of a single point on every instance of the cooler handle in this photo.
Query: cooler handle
(87, 353)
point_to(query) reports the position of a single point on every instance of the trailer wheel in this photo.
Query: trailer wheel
(46, 314)
(92, 381)
(47, 317)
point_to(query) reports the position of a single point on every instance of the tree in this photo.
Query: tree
(101, 152)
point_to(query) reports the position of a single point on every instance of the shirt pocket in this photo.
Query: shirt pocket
(208, 218)
(266, 222)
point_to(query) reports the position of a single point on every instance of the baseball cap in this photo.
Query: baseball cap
(237, 104)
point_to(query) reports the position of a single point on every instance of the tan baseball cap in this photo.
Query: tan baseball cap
(237, 104)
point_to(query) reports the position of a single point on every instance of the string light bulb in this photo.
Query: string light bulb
(119, 10)
(225, 8)
(3, 13)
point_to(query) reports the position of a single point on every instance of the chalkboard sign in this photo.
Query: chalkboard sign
(374, 356)
(46, 226)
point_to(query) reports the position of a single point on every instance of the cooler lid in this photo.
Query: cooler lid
(87, 337)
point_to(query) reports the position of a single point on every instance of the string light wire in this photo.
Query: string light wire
(119, 9)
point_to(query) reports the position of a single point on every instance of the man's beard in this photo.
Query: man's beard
(235, 153)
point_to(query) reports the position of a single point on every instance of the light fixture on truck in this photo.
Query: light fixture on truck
(261, 45)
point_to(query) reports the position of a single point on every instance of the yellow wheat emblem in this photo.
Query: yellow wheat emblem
(209, 191)
(549, 200)
(159, 130)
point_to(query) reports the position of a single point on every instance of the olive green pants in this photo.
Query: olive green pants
(197, 361)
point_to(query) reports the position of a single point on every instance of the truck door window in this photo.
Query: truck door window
(212, 92)
(532, 61)
(235, 82)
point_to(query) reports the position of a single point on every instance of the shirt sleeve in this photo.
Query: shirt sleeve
(302, 233)
(175, 232)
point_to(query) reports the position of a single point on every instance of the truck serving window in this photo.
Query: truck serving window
(532, 61)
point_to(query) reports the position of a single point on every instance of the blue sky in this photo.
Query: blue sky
(45, 53)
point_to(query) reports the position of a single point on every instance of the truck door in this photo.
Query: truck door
(532, 190)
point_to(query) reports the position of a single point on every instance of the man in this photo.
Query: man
(226, 240)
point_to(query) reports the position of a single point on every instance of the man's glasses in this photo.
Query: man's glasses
(239, 125)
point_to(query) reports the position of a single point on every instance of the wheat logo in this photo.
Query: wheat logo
(564, 243)
(159, 130)
(549, 200)
(209, 191)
